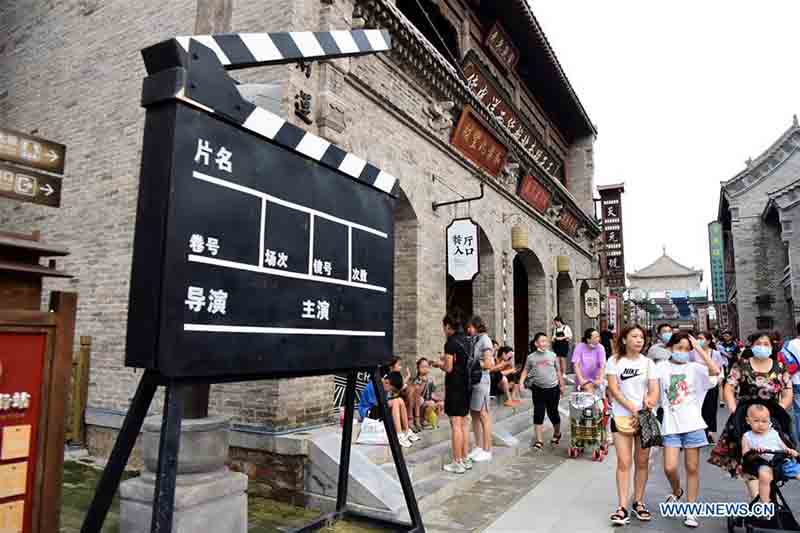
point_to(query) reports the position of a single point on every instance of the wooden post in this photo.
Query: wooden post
(63, 305)
(80, 391)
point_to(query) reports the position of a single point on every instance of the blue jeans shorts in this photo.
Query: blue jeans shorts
(692, 439)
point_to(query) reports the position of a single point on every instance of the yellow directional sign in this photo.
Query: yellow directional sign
(30, 151)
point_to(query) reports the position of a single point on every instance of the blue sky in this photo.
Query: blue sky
(682, 92)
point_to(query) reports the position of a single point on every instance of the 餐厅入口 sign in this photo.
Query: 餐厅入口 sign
(490, 96)
(463, 262)
(478, 144)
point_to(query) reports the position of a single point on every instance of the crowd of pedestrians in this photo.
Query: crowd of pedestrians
(682, 379)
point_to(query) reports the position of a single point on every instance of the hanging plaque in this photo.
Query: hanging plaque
(462, 249)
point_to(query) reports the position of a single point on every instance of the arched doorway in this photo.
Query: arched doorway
(476, 297)
(565, 305)
(406, 248)
(530, 304)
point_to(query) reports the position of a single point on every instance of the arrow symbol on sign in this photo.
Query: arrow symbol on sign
(48, 190)
(51, 155)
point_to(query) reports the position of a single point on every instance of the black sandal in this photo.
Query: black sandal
(556, 439)
(620, 517)
(538, 445)
(641, 512)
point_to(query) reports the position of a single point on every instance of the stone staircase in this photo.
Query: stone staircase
(374, 487)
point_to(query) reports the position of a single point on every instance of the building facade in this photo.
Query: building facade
(667, 291)
(470, 96)
(756, 210)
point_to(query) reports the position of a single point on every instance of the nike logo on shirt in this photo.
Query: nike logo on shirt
(629, 373)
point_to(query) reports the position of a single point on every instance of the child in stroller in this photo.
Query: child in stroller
(768, 456)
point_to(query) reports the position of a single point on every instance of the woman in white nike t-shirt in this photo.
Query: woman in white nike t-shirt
(633, 385)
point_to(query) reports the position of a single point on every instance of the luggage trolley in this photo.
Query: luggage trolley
(588, 415)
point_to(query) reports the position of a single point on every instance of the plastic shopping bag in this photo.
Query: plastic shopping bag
(372, 432)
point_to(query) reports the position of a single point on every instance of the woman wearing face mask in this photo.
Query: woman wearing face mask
(704, 340)
(759, 376)
(589, 359)
(683, 384)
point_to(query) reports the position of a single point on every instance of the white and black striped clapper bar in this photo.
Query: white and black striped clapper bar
(193, 70)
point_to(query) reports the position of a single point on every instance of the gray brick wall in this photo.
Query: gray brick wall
(74, 72)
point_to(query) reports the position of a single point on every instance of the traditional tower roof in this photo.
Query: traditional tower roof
(664, 267)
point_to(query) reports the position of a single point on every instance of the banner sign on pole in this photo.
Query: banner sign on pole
(717, 262)
(463, 262)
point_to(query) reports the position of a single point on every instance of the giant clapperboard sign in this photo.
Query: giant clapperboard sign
(261, 250)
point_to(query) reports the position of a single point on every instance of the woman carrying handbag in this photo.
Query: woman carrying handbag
(633, 386)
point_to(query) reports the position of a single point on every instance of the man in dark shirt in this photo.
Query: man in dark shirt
(606, 338)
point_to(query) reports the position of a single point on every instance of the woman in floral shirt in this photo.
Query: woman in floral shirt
(760, 376)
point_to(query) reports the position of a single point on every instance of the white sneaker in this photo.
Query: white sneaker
(454, 468)
(475, 452)
(466, 463)
(404, 442)
(483, 457)
(413, 437)
(690, 521)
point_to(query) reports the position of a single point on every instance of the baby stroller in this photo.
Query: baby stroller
(588, 415)
(783, 519)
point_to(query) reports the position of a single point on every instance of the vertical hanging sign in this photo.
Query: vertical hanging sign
(462, 249)
(717, 262)
(613, 250)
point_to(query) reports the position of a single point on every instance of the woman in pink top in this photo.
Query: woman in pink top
(589, 359)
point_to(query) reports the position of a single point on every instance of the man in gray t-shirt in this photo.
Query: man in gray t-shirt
(540, 369)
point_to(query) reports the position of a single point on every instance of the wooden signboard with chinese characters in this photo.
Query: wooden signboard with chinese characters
(533, 192)
(499, 104)
(478, 144)
(568, 222)
(502, 47)
(35, 363)
(614, 246)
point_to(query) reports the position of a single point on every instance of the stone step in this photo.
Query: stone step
(382, 454)
(424, 461)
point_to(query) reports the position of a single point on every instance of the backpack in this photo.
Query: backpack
(474, 370)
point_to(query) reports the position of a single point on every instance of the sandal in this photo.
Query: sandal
(538, 445)
(641, 512)
(556, 439)
(674, 497)
(620, 517)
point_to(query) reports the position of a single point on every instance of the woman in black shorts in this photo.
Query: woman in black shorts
(456, 392)
(562, 336)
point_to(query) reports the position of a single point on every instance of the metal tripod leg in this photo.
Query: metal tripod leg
(168, 449)
(347, 441)
(109, 482)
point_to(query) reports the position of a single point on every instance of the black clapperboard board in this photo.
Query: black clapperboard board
(261, 251)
